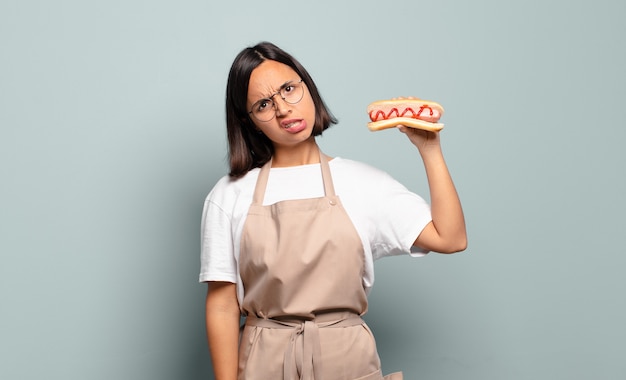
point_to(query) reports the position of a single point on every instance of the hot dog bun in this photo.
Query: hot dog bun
(407, 122)
(410, 112)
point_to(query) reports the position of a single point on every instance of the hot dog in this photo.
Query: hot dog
(410, 112)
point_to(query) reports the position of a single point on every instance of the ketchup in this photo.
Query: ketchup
(414, 115)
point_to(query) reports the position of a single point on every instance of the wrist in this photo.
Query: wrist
(430, 152)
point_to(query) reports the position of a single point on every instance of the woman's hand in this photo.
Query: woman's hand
(425, 141)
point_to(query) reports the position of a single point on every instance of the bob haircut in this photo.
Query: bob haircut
(249, 149)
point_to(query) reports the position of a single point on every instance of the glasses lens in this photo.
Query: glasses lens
(263, 110)
(292, 93)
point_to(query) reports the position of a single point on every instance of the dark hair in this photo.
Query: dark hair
(248, 149)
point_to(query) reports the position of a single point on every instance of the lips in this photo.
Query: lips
(293, 125)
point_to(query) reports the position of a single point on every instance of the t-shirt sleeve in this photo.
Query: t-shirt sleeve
(217, 260)
(401, 217)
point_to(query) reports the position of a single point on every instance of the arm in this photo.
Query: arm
(222, 323)
(446, 233)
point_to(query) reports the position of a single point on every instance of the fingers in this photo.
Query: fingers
(416, 131)
(419, 137)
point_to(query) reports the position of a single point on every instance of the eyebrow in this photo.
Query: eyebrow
(282, 86)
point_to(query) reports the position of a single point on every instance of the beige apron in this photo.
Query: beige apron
(301, 265)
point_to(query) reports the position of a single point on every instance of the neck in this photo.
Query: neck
(305, 153)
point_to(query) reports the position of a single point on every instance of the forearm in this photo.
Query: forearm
(447, 214)
(222, 324)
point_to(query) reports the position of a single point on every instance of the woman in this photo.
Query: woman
(289, 237)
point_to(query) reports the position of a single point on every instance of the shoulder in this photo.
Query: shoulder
(227, 191)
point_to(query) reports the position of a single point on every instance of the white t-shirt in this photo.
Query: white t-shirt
(387, 216)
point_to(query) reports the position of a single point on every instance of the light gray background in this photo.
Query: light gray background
(112, 133)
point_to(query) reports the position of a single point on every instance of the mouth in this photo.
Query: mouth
(287, 124)
(294, 125)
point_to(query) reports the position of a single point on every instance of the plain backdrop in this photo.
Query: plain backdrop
(112, 133)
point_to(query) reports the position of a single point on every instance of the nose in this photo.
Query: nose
(281, 106)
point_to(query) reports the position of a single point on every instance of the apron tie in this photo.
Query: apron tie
(311, 368)
(311, 350)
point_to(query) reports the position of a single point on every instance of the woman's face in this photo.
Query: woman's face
(290, 124)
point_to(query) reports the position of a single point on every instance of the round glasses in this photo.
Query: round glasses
(265, 109)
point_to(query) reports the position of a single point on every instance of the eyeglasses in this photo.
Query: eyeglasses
(265, 109)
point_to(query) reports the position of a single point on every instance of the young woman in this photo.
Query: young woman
(290, 235)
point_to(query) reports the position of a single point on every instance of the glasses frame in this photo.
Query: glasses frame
(271, 99)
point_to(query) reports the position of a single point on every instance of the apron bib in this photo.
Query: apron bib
(301, 264)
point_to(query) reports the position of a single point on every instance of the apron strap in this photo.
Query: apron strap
(329, 189)
(261, 182)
